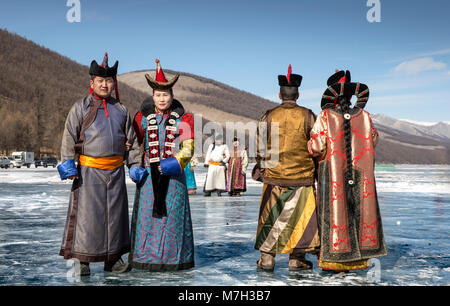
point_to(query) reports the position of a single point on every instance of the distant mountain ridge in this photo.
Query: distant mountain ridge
(439, 130)
(407, 142)
(424, 123)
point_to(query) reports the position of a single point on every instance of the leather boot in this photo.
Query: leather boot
(118, 266)
(266, 262)
(84, 269)
(297, 262)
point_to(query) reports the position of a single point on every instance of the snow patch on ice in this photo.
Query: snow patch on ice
(31, 176)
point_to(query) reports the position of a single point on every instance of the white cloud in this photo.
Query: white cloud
(419, 65)
(424, 54)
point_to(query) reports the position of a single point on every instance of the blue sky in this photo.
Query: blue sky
(404, 59)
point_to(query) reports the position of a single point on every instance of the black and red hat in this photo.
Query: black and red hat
(340, 84)
(340, 76)
(291, 79)
(103, 70)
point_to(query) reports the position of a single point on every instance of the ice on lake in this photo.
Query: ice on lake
(414, 201)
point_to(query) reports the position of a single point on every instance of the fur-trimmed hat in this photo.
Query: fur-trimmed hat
(103, 70)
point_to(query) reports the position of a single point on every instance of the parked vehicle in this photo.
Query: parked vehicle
(45, 162)
(4, 162)
(22, 159)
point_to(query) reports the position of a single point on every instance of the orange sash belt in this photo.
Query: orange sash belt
(102, 163)
(215, 163)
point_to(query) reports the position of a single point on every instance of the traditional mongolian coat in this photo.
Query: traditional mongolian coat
(216, 158)
(287, 216)
(350, 222)
(162, 237)
(97, 226)
(190, 175)
(237, 167)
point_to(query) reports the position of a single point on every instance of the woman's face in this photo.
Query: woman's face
(163, 99)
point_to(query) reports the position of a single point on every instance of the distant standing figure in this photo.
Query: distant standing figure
(236, 172)
(216, 158)
(190, 176)
(344, 139)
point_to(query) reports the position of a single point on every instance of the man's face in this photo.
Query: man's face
(163, 99)
(102, 87)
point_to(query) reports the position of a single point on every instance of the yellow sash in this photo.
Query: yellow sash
(102, 163)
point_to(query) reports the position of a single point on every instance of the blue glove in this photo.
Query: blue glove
(67, 169)
(138, 174)
(170, 166)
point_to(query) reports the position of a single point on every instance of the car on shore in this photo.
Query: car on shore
(45, 162)
(5, 162)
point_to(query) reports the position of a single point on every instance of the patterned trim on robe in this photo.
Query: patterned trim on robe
(287, 220)
(344, 266)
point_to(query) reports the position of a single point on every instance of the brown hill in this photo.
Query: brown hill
(37, 89)
(215, 101)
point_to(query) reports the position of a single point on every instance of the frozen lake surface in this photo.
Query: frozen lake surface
(414, 201)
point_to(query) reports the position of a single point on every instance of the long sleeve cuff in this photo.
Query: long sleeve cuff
(67, 169)
(138, 174)
(186, 152)
(170, 166)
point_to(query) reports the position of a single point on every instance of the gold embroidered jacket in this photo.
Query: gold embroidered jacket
(282, 146)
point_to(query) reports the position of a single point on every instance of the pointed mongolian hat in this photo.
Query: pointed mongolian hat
(290, 80)
(103, 70)
(160, 81)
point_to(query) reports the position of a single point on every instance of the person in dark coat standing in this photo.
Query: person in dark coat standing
(98, 139)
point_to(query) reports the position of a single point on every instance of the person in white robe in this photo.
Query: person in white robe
(216, 158)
